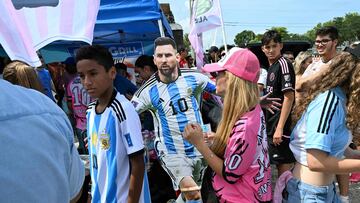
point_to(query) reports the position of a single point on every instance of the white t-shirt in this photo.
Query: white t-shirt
(262, 77)
(314, 67)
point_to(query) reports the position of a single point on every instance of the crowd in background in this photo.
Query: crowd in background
(181, 134)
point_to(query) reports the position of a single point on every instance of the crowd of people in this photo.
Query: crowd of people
(181, 134)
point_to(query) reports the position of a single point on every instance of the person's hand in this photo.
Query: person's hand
(277, 137)
(270, 104)
(86, 142)
(209, 138)
(193, 133)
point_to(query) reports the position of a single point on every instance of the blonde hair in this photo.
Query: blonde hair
(300, 61)
(344, 71)
(19, 73)
(240, 97)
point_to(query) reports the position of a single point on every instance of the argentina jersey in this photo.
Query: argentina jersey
(114, 135)
(322, 127)
(173, 106)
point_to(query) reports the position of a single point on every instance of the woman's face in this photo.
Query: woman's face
(307, 62)
(221, 84)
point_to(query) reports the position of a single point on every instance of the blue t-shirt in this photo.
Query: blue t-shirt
(45, 80)
(124, 86)
(38, 160)
(322, 127)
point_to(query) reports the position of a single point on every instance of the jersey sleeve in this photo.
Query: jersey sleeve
(141, 100)
(287, 75)
(262, 77)
(323, 117)
(206, 83)
(131, 130)
(240, 152)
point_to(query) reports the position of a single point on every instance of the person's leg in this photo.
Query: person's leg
(283, 167)
(343, 181)
(180, 169)
(190, 189)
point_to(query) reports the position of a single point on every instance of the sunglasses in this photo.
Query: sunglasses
(216, 73)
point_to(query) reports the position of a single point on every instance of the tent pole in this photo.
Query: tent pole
(161, 29)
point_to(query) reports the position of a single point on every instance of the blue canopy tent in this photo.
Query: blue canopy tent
(122, 25)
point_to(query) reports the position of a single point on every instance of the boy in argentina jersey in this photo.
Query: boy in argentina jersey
(172, 96)
(116, 147)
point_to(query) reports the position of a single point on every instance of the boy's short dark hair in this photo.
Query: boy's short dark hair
(145, 60)
(160, 41)
(181, 49)
(270, 35)
(328, 30)
(98, 53)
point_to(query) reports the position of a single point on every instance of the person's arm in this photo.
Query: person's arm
(320, 161)
(304, 83)
(285, 112)
(193, 133)
(270, 104)
(136, 176)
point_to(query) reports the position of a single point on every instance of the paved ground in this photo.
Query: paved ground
(355, 192)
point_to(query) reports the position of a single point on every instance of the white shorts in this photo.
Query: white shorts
(178, 166)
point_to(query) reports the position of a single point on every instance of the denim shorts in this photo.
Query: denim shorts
(297, 191)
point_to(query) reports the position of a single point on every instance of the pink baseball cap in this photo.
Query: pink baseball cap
(240, 62)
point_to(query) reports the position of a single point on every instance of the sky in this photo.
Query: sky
(298, 16)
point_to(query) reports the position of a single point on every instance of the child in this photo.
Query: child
(281, 83)
(116, 147)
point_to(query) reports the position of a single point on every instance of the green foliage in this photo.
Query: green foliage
(187, 43)
(348, 26)
(244, 37)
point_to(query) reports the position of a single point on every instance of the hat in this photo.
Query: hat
(355, 51)
(240, 62)
(213, 49)
(69, 61)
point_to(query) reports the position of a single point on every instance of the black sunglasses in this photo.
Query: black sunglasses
(216, 73)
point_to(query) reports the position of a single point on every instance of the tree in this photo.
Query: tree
(187, 44)
(244, 37)
(348, 26)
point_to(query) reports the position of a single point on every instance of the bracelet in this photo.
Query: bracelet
(188, 189)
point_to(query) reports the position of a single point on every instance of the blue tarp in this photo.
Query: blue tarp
(128, 21)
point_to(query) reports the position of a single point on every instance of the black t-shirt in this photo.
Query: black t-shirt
(280, 79)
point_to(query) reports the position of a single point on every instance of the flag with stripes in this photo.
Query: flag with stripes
(205, 16)
(25, 28)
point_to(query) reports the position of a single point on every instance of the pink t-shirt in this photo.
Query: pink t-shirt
(79, 98)
(246, 170)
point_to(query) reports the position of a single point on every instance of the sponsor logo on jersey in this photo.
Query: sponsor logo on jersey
(272, 77)
(287, 77)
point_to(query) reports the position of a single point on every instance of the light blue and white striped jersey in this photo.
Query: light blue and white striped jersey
(114, 135)
(322, 126)
(173, 106)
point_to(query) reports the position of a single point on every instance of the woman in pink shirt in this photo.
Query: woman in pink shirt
(239, 155)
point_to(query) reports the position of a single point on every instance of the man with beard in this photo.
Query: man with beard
(172, 95)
